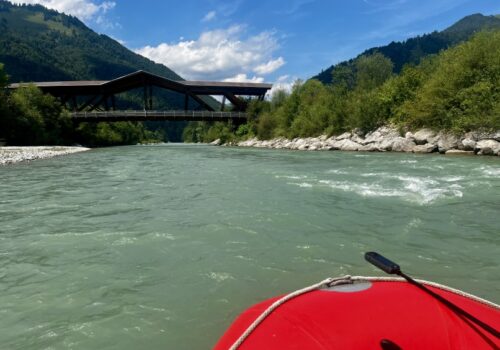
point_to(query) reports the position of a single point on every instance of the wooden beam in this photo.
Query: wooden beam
(237, 102)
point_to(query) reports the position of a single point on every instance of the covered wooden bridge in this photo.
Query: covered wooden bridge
(95, 100)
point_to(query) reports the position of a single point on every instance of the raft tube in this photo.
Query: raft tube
(366, 314)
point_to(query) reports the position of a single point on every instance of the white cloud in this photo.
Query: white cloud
(270, 66)
(209, 16)
(218, 54)
(243, 78)
(83, 9)
(285, 83)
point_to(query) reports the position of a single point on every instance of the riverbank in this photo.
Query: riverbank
(389, 139)
(11, 155)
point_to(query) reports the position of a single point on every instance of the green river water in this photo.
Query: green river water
(161, 247)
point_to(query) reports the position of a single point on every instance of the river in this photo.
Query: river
(161, 247)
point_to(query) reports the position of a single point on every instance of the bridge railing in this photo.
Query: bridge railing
(159, 114)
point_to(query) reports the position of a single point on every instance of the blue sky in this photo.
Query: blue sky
(272, 41)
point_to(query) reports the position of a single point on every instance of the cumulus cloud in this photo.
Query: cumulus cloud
(209, 16)
(243, 78)
(218, 54)
(83, 9)
(285, 83)
(270, 66)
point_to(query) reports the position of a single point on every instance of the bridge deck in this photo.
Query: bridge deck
(114, 116)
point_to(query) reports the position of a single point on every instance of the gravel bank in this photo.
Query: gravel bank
(11, 155)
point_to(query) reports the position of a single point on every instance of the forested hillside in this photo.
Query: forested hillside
(38, 44)
(413, 50)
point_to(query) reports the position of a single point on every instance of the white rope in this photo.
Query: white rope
(429, 283)
(330, 282)
(278, 303)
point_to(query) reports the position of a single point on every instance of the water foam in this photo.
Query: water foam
(409, 188)
(302, 184)
(489, 171)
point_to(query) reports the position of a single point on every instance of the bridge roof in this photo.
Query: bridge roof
(139, 78)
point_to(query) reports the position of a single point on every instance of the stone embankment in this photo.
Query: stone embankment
(387, 139)
(10, 155)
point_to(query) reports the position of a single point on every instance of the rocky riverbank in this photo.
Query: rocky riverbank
(10, 155)
(386, 139)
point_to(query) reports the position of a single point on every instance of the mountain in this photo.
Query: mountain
(38, 44)
(412, 50)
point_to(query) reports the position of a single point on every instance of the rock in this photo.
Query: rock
(459, 152)
(358, 131)
(447, 141)
(344, 136)
(380, 135)
(402, 144)
(424, 136)
(216, 142)
(358, 139)
(427, 148)
(347, 145)
(247, 143)
(409, 135)
(468, 144)
(487, 147)
(496, 136)
(487, 135)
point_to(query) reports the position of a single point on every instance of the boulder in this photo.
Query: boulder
(496, 136)
(346, 145)
(358, 139)
(424, 136)
(427, 148)
(380, 135)
(483, 135)
(468, 144)
(487, 147)
(216, 142)
(447, 141)
(409, 135)
(402, 144)
(344, 136)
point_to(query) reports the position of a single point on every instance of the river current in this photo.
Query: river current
(161, 247)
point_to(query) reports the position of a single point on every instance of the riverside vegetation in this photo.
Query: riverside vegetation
(455, 92)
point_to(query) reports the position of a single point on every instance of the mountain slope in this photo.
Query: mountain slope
(412, 50)
(38, 44)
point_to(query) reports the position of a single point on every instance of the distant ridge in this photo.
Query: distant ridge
(414, 49)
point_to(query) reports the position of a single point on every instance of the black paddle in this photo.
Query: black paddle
(393, 269)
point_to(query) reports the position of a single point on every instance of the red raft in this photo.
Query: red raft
(366, 314)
